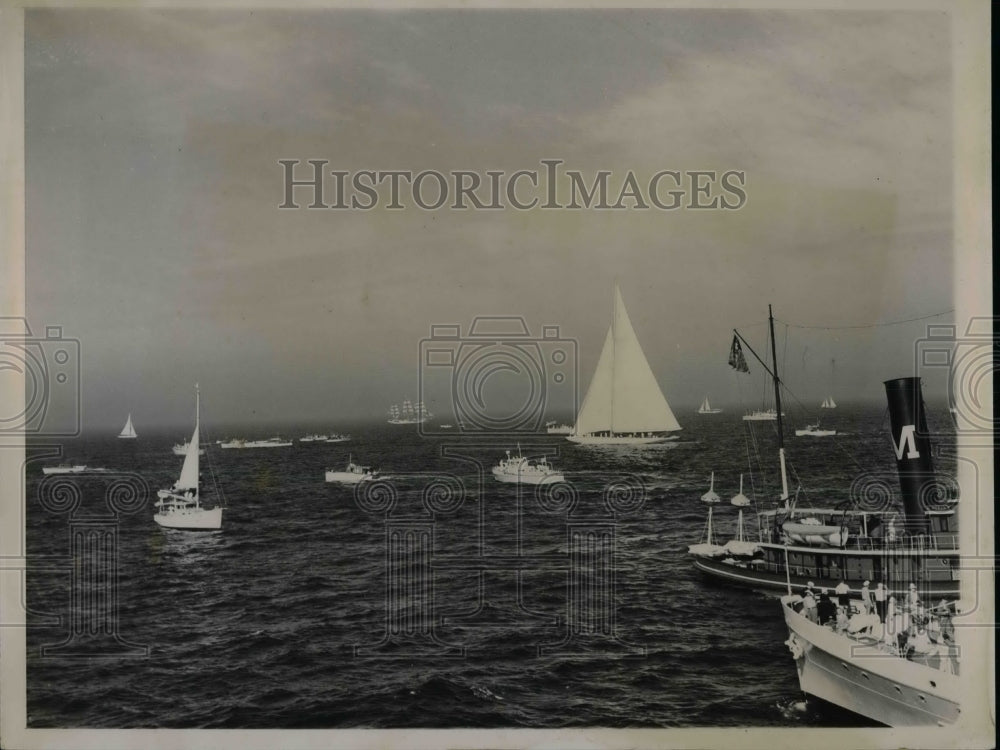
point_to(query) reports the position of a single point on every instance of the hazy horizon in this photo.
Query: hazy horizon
(153, 140)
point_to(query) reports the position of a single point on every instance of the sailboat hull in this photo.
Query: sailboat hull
(620, 439)
(197, 519)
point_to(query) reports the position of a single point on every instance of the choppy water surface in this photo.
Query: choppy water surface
(279, 620)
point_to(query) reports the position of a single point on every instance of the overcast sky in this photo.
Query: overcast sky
(153, 140)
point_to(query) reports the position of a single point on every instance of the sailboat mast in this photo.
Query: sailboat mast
(777, 406)
(614, 336)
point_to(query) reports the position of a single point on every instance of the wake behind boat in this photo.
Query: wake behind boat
(180, 506)
(624, 404)
(520, 470)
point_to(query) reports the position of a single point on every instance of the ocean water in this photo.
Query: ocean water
(282, 619)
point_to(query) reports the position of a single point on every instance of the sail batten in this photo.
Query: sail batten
(624, 396)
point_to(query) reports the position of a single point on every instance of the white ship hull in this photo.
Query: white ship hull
(866, 680)
(348, 477)
(528, 478)
(64, 469)
(815, 433)
(767, 416)
(195, 519)
(255, 444)
(127, 437)
(710, 411)
(620, 439)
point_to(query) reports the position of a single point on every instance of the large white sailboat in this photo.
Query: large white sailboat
(624, 404)
(128, 431)
(180, 506)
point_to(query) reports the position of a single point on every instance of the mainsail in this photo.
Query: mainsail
(189, 472)
(128, 431)
(624, 396)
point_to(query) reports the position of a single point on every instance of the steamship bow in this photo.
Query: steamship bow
(794, 546)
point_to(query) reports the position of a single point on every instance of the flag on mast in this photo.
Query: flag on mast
(736, 359)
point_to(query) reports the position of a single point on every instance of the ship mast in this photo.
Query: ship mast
(777, 406)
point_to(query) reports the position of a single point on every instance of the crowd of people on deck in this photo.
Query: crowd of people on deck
(910, 628)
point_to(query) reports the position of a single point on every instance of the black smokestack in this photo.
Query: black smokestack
(913, 449)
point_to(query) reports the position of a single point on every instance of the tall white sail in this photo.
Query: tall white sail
(128, 431)
(705, 406)
(189, 472)
(624, 396)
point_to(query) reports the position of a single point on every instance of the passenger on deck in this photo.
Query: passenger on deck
(880, 596)
(843, 594)
(866, 598)
(843, 623)
(825, 608)
(809, 606)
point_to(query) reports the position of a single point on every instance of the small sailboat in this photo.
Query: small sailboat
(624, 404)
(706, 408)
(520, 470)
(180, 506)
(828, 402)
(128, 431)
(353, 474)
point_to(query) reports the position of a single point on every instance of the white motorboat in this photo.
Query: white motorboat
(761, 415)
(314, 438)
(814, 430)
(352, 474)
(275, 442)
(180, 506)
(558, 429)
(520, 470)
(624, 404)
(181, 449)
(65, 469)
(338, 438)
(128, 431)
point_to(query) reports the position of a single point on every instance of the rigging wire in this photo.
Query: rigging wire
(868, 325)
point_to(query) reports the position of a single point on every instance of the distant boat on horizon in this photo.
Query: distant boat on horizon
(409, 414)
(128, 431)
(181, 449)
(239, 443)
(624, 404)
(706, 408)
